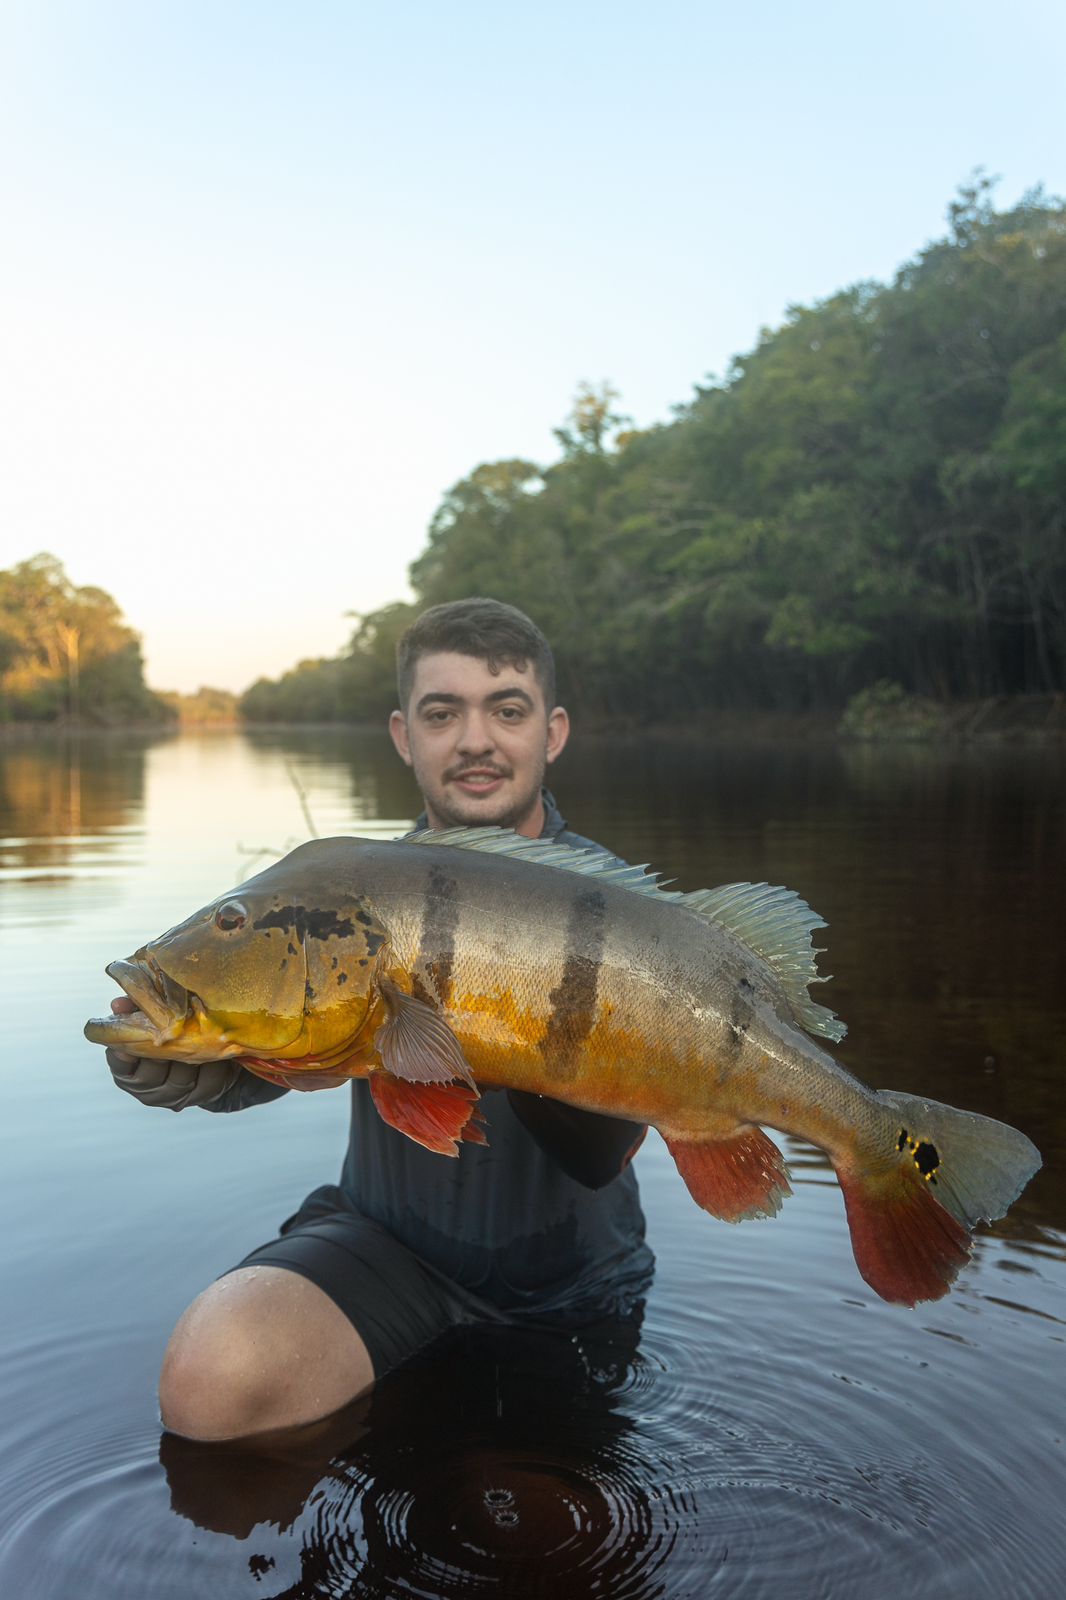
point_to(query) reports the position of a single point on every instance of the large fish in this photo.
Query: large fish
(475, 956)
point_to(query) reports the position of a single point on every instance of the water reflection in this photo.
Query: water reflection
(775, 1427)
(498, 1461)
(378, 784)
(65, 789)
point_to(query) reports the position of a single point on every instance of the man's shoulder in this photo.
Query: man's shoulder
(558, 830)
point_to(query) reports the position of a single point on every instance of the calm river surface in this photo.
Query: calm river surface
(777, 1429)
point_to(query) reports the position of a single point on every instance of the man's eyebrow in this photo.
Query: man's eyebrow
(439, 697)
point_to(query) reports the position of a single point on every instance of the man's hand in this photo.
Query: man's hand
(173, 1084)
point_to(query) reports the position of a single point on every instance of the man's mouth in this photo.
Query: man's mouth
(478, 780)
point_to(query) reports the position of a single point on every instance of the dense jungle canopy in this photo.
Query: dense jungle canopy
(876, 492)
(65, 652)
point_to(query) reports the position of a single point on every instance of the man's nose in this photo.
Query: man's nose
(475, 735)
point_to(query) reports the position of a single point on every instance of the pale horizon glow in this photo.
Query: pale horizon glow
(275, 278)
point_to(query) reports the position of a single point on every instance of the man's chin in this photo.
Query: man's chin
(494, 811)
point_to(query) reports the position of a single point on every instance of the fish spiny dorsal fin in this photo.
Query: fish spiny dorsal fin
(774, 923)
(546, 853)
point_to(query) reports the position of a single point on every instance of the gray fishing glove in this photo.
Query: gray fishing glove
(173, 1084)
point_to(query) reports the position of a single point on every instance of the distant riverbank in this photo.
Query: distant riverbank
(882, 714)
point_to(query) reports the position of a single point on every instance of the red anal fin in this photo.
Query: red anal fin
(734, 1178)
(907, 1247)
(436, 1115)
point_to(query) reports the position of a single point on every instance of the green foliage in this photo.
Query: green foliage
(876, 492)
(66, 652)
(885, 712)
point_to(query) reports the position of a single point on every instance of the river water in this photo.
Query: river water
(775, 1427)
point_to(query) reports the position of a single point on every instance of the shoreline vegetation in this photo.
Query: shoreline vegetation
(880, 716)
(858, 531)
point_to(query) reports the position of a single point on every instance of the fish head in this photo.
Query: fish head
(267, 970)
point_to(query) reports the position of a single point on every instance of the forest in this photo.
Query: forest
(66, 653)
(870, 504)
(873, 499)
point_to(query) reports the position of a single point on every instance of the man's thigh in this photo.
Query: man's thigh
(395, 1301)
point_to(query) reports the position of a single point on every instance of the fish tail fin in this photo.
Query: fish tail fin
(913, 1198)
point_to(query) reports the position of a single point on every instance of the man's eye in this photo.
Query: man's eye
(511, 713)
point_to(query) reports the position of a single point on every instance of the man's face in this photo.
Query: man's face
(478, 742)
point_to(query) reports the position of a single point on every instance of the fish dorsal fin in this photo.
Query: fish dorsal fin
(774, 923)
(546, 853)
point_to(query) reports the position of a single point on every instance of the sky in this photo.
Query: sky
(275, 276)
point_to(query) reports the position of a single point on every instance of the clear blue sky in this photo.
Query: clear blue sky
(274, 275)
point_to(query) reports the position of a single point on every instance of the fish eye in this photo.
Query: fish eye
(230, 916)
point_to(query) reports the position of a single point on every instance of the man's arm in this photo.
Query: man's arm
(591, 1148)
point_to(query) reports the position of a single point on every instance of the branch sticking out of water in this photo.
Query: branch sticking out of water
(301, 794)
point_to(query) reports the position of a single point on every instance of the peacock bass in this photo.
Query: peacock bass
(476, 956)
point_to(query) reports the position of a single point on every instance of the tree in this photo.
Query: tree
(66, 650)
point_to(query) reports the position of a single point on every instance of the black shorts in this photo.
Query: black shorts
(395, 1301)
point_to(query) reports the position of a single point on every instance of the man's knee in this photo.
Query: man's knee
(212, 1384)
(258, 1350)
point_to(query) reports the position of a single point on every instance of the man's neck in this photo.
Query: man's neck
(531, 826)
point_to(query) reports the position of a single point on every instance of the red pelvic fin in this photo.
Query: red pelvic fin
(436, 1115)
(907, 1247)
(474, 1130)
(734, 1178)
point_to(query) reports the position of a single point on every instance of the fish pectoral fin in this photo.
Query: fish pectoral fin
(436, 1115)
(415, 1043)
(739, 1176)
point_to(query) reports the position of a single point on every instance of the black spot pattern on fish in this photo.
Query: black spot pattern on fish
(440, 924)
(420, 992)
(739, 1014)
(308, 924)
(573, 1000)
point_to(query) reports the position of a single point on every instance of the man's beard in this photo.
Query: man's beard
(467, 811)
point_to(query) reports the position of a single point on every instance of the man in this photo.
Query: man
(543, 1224)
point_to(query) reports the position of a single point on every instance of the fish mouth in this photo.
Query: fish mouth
(162, 1005)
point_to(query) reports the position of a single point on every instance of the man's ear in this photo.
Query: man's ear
(558, 733)
(398, 735)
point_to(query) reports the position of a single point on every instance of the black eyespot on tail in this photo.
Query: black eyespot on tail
(926, 1159)
(926, 1156)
